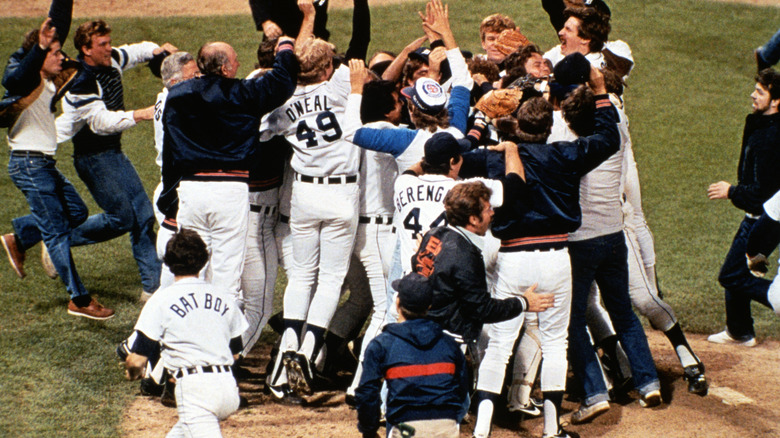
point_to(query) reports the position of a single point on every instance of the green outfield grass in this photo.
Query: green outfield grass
(687, 99)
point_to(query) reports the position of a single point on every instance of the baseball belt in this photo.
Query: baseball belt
(202, 369)
(378, 220)
(326, 179)
(264, 209)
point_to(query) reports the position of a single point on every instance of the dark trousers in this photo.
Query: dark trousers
(741, 286)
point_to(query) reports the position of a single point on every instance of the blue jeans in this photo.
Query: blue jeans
(605, 260)
(770, 52)
(116, 187)
(741, 286)
(55, 209)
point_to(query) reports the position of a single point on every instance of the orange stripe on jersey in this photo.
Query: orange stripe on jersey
(241, 173)
(420, 370)
(535, 240)
(603, 103)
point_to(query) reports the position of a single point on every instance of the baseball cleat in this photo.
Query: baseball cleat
(588, 413)
(284, 395)
(299, 374)
(560, 434)
(123, 350)
(15, 256)
(93, 311)
(725, 338)
(48, 265)
(530, 409)
(651, 399)
(697, 383)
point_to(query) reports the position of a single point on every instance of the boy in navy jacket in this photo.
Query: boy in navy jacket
(425, 371)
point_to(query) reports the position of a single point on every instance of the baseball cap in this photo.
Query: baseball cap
(570, 72)
(414, 292)
(443, 146)
(427, 95)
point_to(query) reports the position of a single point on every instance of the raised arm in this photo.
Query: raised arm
(361, 30)
(394, 70)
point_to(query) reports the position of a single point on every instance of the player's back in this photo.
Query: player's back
(419, 205)
(312, 120)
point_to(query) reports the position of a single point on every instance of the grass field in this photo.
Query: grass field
(687, 99)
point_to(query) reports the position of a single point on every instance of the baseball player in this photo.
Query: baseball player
(172, 321)
(643, 288)
(175, 68)
(323, 212)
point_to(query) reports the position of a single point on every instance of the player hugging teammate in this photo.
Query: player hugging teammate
(514, 169)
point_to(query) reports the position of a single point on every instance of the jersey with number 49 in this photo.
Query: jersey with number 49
(312, 120)
(419, 206)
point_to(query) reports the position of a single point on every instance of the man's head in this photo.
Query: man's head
(415, 296)
(93, 41)
(427, 102)
(442, 155)
(414, 69)
(186, 253)
(579, 110)
(489, 30)
(527, 61)
(52, 65)
(585, 31)
(316, 59)
(534, 120)
(381, 102)
(178, 67)
(766, 95)
(218, 58)
(467, 205)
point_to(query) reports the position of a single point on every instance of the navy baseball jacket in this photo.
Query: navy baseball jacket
(211, 124)
(425, 372)
(759, 162)
(548, 203)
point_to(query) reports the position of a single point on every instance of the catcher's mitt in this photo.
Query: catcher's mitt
(510, 40)
(500, 103)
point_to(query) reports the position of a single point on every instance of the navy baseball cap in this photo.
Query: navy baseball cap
(443, 146)
(569, 73)
(427, 95)
(414, 292)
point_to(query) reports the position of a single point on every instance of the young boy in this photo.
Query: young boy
(425, 371)
(199, 327)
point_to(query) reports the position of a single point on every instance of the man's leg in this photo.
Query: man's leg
(612, 279)
(98, 171)
(54, 205)
(585, 258)
(260, 266)
(741, 286)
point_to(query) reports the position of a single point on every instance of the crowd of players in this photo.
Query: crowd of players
(336, 171)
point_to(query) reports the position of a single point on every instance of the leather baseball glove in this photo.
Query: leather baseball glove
(500, 103)
(510, 40)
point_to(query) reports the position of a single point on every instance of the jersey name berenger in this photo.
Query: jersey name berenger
(419, 204)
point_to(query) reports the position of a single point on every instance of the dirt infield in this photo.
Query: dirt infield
(742, 402)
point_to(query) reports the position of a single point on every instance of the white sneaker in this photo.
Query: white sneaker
(651, 399)
(725, 338)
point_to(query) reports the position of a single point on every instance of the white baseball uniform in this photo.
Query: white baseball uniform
(323, 210)
(166, 229)
(194, 322)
